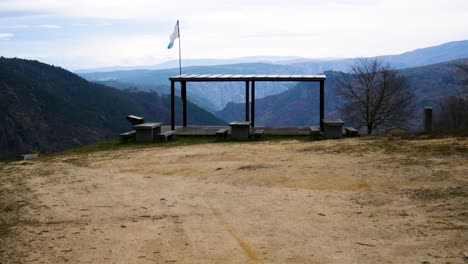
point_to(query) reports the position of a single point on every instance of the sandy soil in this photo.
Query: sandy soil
(346, 201)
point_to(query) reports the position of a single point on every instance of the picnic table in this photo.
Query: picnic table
(240, 130)
(147, 131)
(333, 129)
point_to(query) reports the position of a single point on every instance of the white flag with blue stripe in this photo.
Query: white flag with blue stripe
(174, 35)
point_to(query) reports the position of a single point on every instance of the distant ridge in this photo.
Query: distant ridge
(432, 55)
(197, 62)
(418, 57)
(215, 97)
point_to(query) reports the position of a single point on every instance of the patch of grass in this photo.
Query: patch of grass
(7, 214)
(255, 167)
(4, 230)
(433, 194)
(180, 141)
(444, 149)
(304, 138)
(6, 160)
(75, 161)
(8, 209)
(118, 144)
(415, 151)
(366, 145)
(443, 133)
(388, 146)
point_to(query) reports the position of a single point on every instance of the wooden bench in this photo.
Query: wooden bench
(222, 134)
(258, 134)
(314, 132)
(351, 132)
(128, 135)
(166, 135)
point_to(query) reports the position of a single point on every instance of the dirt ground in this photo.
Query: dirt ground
(346, 201)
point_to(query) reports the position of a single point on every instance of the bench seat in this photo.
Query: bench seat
(222, 134)
(351, 132)
(315, 131)
(128, 135)
(258, 134)
(166, 135)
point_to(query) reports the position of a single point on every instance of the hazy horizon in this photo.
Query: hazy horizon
(82, 34)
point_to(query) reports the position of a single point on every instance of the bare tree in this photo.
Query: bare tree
(374, 96)
(452, 112)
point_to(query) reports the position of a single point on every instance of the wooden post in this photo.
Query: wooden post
(427, 119)
(322, 103)
(172, 106)
(183, 92)
(247, 112)
(252, 113)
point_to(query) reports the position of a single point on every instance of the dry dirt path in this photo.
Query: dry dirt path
(267, 202)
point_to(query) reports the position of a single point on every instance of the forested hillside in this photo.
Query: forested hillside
(45, 108)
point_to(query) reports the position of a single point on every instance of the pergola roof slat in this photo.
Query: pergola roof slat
(242, 77)
(204, 76)
(190, 76)
(224, 75)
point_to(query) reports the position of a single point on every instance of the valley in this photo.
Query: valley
(418, 66)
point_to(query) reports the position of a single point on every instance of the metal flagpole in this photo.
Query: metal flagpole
(180, 60)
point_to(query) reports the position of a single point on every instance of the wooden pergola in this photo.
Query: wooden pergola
(249, 84)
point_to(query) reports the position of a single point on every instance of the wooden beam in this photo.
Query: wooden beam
(322, 103)
(242, 77)
(252, 113)
(172, 106)
(247, 112)
(183, 92)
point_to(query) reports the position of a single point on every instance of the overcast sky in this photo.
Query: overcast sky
(95, 33)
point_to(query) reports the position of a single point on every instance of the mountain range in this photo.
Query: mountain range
(424, 56)
(210, 96)
(215, 96)
(200, 62)
(47, 109)
(419, 57)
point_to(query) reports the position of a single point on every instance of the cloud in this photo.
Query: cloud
(19, 26)
(6, 36)
(46, 26)
(6, 13)
(139, 29)
(49, 26)
(150, 8)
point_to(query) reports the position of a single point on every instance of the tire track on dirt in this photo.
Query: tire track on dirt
(245, 247)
